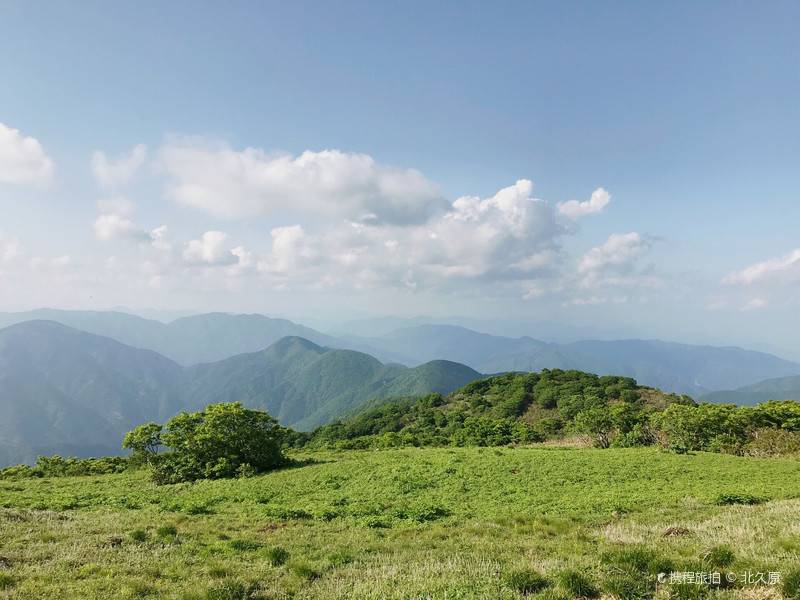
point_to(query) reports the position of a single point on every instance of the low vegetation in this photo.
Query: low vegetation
(460, 496)
(407, 523)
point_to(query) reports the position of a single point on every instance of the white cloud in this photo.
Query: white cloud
(113, 226)
(783, 268)
(118, 173)
(619, 251)
(22, 159)
(754, 304)
(210, 249)
(507, 239)
(327, 184)
(575, 210)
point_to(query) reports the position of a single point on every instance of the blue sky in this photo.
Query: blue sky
(318, 159)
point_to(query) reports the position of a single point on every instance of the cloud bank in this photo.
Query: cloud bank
(328, 184)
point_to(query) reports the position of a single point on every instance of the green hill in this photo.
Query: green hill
(64, 391)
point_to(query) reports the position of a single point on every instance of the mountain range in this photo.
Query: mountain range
(781, 388)
(76, 382)
(680, 368)
(70, 392)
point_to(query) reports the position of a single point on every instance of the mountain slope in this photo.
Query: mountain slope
(305, 385)
(70, 392)
(62, 386)
(188, 340)
(673, 367)
(782, 388)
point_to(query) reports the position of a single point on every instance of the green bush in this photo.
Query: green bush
(737, 498)
(225, 440)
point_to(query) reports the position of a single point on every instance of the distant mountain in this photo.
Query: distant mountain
(672, 367)
(782, 388)
(67, 391)
(70, 392)
(415, 345)
(188, 340)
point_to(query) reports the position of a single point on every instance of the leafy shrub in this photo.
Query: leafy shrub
(737, 498)
(770, 441)
(526, 581)
(139, 535)
(225, 440)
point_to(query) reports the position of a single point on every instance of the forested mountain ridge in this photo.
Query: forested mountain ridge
(673, 367)
(70, 392)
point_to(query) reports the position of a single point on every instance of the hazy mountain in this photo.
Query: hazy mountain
(672, 367)
(64, 390)
(188, 340)
(415, 345)
(70, 392)
(782, 388)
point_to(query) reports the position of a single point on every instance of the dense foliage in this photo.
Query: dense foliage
(520, 408)
(223, 441)
(502, 409)
(56, 466)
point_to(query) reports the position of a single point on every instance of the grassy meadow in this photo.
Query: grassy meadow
(511, 522)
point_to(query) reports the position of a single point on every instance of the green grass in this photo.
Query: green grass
(411, 523)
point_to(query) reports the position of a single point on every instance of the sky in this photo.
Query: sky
(629, 167)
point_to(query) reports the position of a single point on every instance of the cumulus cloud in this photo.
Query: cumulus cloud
(22, 159)
(509, 238)
(210, 249)
(114, 226)
(620, 250)
(783, 268)
(325, 184)
(575, 210)
(114, 174)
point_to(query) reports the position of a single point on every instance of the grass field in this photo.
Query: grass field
(555, 523)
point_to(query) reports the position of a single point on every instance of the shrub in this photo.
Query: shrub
(736, 498)
(225, 440)
(139, 535)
